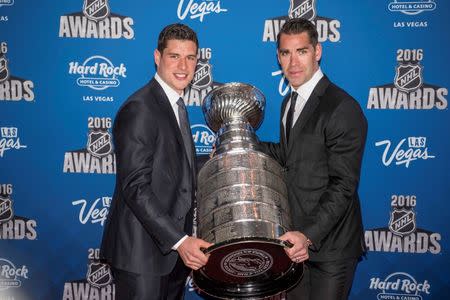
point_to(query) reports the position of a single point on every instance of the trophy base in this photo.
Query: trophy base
(247, 268)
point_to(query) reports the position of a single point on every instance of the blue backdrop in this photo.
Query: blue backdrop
(66, 67)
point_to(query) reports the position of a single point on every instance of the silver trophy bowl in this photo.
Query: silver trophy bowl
(242, 205)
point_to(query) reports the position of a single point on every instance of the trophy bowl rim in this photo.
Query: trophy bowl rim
(233, 85)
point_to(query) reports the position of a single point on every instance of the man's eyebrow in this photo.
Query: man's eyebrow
(297, 49)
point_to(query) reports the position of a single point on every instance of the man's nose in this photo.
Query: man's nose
(182, 63)
(294, 60)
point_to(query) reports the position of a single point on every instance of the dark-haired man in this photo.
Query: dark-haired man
(322, 138)
(147, 238)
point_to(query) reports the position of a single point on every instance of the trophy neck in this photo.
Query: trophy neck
(236, 134)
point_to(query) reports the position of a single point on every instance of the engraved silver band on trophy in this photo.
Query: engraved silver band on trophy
(242, 203)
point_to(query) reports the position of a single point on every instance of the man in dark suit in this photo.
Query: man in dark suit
(322, 138)
(147, 238)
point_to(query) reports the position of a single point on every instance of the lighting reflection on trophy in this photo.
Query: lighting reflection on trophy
(242, 203)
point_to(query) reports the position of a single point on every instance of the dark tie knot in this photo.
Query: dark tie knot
(180, 103)
(293, 98)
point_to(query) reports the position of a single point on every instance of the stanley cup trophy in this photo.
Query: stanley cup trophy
(242, 203)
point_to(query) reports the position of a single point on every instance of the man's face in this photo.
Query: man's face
(176, 64)
(298, 58)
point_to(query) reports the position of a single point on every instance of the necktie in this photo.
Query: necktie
(185, 130)
(290, 115)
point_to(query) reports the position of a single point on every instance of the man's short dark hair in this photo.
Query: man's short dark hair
(176, 31)
(297, 26)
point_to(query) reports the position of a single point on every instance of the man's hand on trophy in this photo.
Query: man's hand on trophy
(299, 251)
(191, 252)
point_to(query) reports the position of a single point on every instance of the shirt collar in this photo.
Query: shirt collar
(306, 89)
(170, 92)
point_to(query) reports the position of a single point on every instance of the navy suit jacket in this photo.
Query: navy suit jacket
(322, 168)
(155, 186)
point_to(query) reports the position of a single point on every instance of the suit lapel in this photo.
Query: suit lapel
(164, 103)
(309, 109)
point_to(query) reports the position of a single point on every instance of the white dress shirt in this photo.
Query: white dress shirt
(304, 92)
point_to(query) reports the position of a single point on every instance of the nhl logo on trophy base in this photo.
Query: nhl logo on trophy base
(242, 203)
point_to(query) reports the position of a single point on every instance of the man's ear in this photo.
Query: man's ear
(318, 52)
(157, 56)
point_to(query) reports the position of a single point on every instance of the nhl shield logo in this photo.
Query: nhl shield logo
(96, 10)
(402, 222)
(98, 274)
(4, 73)
(303, 9)
(6, 211)
(202, 76)
(408, 78)
(99, 143)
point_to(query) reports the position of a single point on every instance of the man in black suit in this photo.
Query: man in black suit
(322, 138)
(147, 238)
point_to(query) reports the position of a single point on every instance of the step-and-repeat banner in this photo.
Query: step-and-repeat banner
(67, 66)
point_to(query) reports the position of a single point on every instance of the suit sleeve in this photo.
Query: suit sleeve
(345, 137)
(135, 134)
(275, 150)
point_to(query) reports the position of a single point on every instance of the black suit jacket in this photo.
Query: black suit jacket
(155, 186)
(322, 164)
